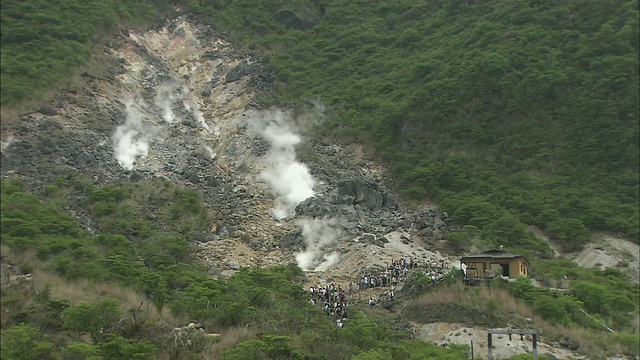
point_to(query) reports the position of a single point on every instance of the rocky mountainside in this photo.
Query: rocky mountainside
(179, 103)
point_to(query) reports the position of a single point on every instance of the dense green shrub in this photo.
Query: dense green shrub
(267, 347)
(26, 342)
(631, 342)
(44, 41)
(95, 318)
(116, 348)
(605, 300)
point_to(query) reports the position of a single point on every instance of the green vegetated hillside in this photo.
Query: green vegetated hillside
(507, 113)
(120, 294)
(43, 41)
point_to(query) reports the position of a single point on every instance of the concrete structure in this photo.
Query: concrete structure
(494, 263)
(510, 332)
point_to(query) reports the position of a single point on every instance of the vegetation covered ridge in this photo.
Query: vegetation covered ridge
(119, 295)
(43, 41)
(507, 113)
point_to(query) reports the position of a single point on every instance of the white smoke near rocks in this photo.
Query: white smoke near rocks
(131, 139)
(329, 261)
(317, 234)
(291, 183)
(5, 144)
(192, 105)
(210, 151)
(290, 180)
(169, 93)
(200, 117)
(163, 100)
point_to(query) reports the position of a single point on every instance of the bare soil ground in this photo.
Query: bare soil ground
(610, 252)
(502, 346)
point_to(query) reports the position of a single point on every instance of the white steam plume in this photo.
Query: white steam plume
(193, 106)
(329, 261)
(4, 145)
(200, 118)
(212, 154)
(317, 234)
(131, 139)
(289, 179)
(163, 99)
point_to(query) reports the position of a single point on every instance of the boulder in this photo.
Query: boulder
(360, 192)
(368, 198)
(190, 121)
(212, 181)
(292, 241)
(316, 207)
(84, 159)
(255, 245)
(368, 238)
(48, 110)
(234, 74)
(439, 224)
(206, 92)
(346, 199)
(389, 202)
(210, 55)
(135, 177)
(423, 223)
(223, 233)
(349, 213)
(260, 147)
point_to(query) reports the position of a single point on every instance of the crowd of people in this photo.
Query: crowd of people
(334, 302)
(334, 298)
(398, 270)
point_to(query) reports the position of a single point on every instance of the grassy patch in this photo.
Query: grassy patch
(559, 316)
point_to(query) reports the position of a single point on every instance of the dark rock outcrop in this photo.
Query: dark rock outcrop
(235, 74)
(292, 20)
(365, 193)
(359, 192)
(292, 241)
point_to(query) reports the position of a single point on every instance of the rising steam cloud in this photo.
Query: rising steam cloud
(289, 179)
(317, 234)
(191, 104)
(169, 94)
(163, 100)
(5, 144)
(131, 139)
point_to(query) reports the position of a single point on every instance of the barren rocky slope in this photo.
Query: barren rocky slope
(610, 252)
(179, 103)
